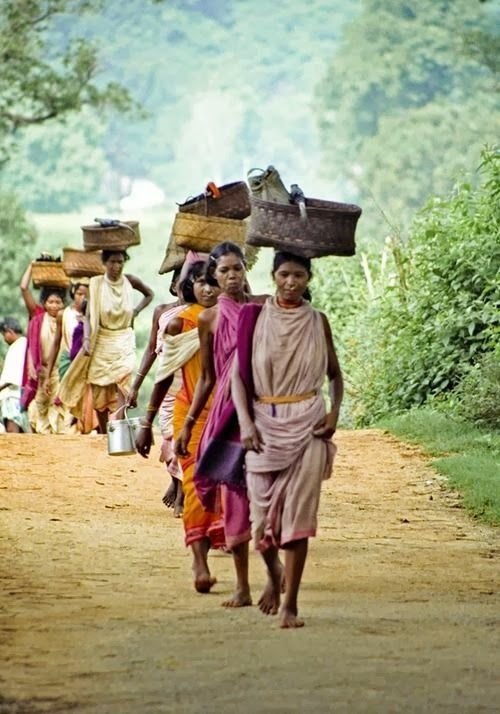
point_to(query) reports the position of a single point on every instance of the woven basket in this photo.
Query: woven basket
(202, 234)
(119, 237)
(328, 230)
(174, 256)
(82, 263)
(229, 201)
(49, 273)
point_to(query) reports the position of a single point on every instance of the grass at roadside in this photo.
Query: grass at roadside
(469, 457)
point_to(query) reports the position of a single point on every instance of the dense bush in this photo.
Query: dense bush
(417, 331)
(477, 397)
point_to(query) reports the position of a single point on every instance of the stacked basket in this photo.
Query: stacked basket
(48, 271)
(105, 234)
(202, 222)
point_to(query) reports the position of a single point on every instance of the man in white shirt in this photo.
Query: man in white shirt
(11, 378)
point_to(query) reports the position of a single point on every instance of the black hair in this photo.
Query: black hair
(74, 287)
(226, 248)
(283, 256)
(46, 291)
(10, 323)
(174, 282)
(186, 287)
(108, 252)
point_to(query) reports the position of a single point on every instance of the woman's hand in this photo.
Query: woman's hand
(144, 439)
(251, 438)
(86, 346)
(131, 401)
(326, 428)
(182, 442)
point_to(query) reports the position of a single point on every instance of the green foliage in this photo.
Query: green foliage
(408, 102)
(17, 236)
(60, 169)
(223, 86)
(477, 397)
(413, 328)
(42, 79)
(468, 456)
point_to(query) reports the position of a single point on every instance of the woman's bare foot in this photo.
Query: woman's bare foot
(179, 501)
(269, 601)
(241, 598)
(204, 583)
(170, 494)
(289, 618)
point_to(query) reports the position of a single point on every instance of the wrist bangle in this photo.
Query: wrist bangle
(150, 409)
(190, 419)
(140, 374)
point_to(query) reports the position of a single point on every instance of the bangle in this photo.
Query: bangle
(190, 419)
(140, 374)
(150, 408)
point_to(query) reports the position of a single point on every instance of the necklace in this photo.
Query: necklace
(287, 305)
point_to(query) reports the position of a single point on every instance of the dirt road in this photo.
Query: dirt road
(400, 595)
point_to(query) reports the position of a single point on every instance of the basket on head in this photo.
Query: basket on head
(328, 228)
(202, 233)
(49, 273)
(119, 236)
(229, 201)
(174, 256)
(82, 263)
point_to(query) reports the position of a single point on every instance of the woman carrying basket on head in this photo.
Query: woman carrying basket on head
(218, 333)
(39, 388)
(107, 358)
(285, 350)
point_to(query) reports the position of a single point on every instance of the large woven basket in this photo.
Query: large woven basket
(82, 263)
(97, 237)
(229, 201)
(328, 229)
(174, 256)
(202, 233)
(49, 273)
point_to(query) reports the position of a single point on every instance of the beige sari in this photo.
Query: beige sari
(112, 340)
(111, 362)
(289, 362)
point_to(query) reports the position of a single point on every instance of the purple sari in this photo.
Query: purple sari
(223, 429)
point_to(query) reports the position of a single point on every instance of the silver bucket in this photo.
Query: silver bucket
(121, 435)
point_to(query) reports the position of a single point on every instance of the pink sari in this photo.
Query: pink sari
(222, 420)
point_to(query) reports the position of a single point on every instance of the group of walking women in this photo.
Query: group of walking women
(80, 358)
(249, 423)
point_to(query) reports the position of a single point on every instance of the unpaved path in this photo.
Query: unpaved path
(400, 595)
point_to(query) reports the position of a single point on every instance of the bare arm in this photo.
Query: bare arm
(148, 357)
(206, 381)
(249, 434)
(336, 386)
(144, 439)
(29, 300)
(148, 294)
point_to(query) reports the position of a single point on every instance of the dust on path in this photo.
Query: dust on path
(400, 594)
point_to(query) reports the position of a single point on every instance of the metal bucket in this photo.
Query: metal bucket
(121, 436)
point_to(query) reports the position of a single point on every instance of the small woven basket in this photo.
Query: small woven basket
(97, 237)
(202, 233)
(229, 201)
(174, 256)
(49, 273)
(82, 263)
(328, 229)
